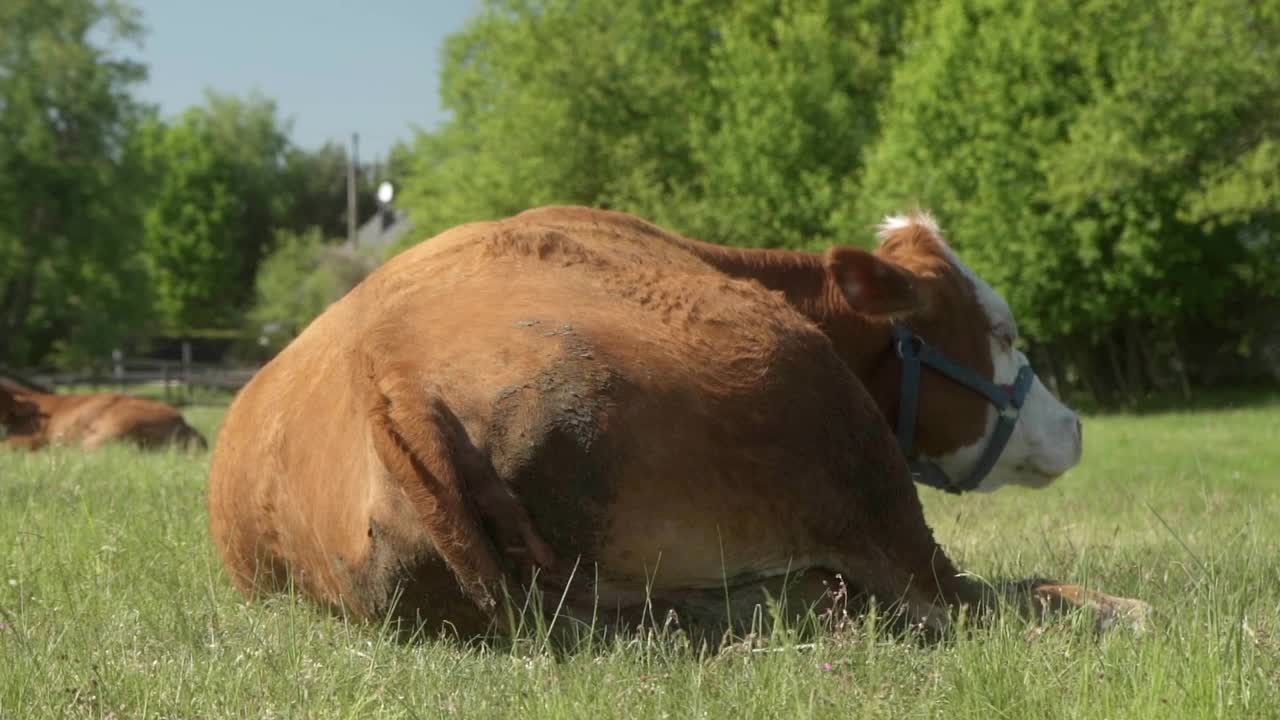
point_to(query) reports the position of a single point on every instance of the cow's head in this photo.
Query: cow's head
(915, 279)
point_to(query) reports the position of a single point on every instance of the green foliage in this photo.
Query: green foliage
(114, 223)
(70, 277)
(297, 281)
(316, 183)
(1113, 166)
(738, 122)
(1107, 164)
(794, 89)
(218, 192)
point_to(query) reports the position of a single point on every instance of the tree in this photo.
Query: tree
(738, 122)
(317, 187)
(219, 191)
(794, 92)
(70, 278)
(297, 281)
(1110, 165)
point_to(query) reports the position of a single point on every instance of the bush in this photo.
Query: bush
(297, 281)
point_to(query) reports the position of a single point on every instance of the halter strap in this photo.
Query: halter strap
(1007, 399)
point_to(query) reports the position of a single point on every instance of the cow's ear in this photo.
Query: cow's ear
(872, 285)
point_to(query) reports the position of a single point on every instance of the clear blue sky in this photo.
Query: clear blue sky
(334, 67)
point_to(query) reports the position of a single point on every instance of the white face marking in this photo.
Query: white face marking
(995, 306)
(1046, 441)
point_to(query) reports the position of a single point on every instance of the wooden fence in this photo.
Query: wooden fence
(177, 381)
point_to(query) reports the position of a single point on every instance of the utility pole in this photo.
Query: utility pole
(351, 189)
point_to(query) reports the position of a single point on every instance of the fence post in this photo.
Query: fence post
(186, 369)
(164, 374)
(117, 368)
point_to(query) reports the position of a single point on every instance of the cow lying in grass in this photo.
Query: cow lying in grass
(660, 420)
(32, 420)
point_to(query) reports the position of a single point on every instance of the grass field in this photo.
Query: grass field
(114, 604)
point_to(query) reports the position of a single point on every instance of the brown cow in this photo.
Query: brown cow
(677, 431)
(34, 419)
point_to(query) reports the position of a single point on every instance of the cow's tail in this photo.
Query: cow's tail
(425, 449)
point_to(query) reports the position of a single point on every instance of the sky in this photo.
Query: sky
(333, 67)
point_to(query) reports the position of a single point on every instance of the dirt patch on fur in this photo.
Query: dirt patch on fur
(547, 434)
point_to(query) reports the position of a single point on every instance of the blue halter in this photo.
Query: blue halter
(1007, 399)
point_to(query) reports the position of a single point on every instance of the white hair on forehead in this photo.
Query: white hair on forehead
(995, 306)
(922, 219)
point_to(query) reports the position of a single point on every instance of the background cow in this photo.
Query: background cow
(34, 419)
(584, 392)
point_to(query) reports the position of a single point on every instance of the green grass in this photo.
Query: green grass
(115, 605)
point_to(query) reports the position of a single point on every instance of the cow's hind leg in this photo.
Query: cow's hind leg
(458, 500)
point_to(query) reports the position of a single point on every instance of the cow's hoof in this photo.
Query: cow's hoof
(1109, 611)
(1117, 612)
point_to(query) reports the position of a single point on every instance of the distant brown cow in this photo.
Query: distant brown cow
(34, 419)
(673, 428)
